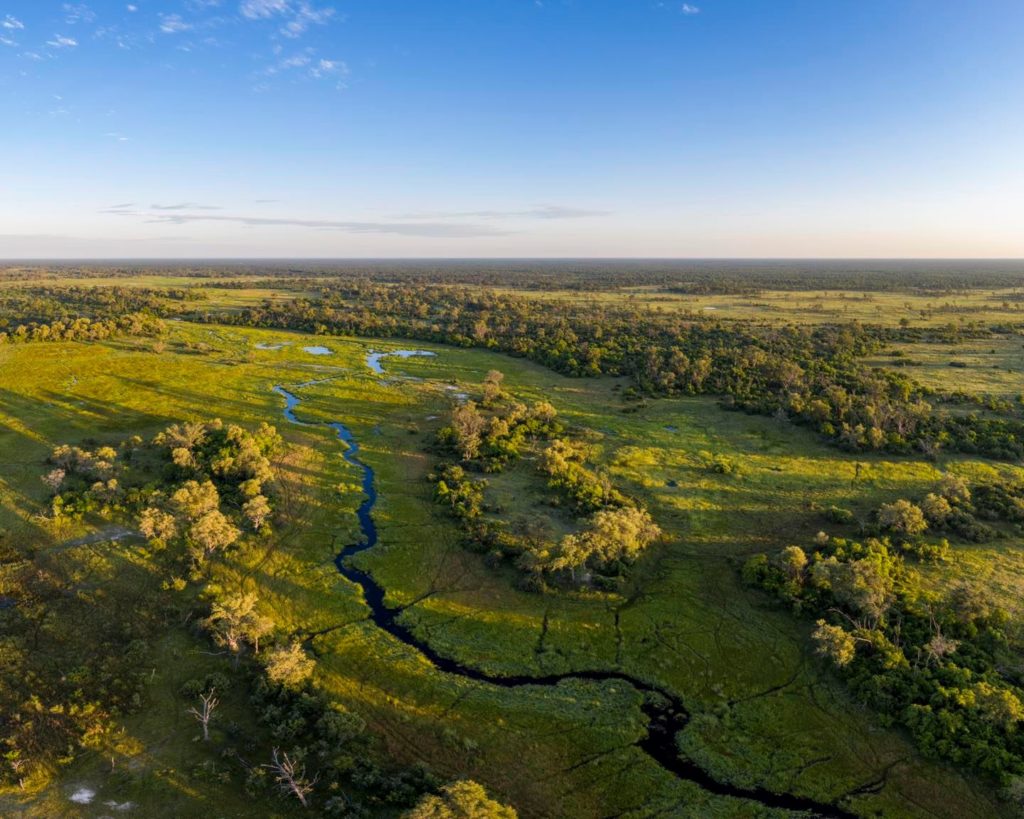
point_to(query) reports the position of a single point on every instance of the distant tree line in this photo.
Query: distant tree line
(692, 276)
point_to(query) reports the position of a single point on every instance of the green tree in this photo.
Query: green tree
(936, 509)
(835, 643)
(235, 619)
(612, 534)
(902, 517)
(289, 665)
(464, 799)
(468, 425)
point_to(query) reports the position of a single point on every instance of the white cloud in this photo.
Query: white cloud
(12, 23)
(186, 206)
(131, 7)
(424, 229)
(59, 41)
(545, 212)
(173, 24)
(688, 9)
(299, 15)
(288, 63)
(78, 13)
(306, 16)
(262, 9)
(311, 66)
(324, 68)
(7, 41)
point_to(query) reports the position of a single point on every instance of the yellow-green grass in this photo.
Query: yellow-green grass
(990, 366)
(814, 306)
(686, 621)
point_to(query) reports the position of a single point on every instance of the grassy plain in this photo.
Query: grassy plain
(766, 712)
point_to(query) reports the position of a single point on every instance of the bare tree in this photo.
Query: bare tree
(204, 713)
(291, 777)
(18, 765)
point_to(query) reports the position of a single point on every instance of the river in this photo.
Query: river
(666, 713)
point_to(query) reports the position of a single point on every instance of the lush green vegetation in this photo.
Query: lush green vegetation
(767, 514)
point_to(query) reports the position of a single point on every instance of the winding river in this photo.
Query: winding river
(665, 711)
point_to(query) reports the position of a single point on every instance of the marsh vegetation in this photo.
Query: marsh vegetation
(560, 541)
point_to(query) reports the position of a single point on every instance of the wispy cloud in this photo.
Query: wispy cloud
(306, 16)
(288, 63)
(78, 13)
(309, 65)
(296, 15)
(262, 9)
(173, 24)
(326, 68)
(425, 229)
(119, 137)
(60, 41)
(686, 8)
(540, 212)
(186, 206)
(12, 23)
(157, 214)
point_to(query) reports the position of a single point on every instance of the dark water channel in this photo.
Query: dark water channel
(666, 714)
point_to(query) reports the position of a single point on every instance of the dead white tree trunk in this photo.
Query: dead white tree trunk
(204, 713)
(291, 778)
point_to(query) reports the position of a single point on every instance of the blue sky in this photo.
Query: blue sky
(344, 128)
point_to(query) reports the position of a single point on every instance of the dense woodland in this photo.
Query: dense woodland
(672, 275)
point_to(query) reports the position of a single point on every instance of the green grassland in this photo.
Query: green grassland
(817, 306)
(988, 366)
(766, 711)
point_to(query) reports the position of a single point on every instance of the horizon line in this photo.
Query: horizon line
(337, 259)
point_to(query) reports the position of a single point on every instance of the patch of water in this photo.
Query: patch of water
(318, 349)
(264, 345)
(83, 796)
(373, 360)
(456, 394)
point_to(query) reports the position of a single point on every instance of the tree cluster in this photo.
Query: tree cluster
(939, 663)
